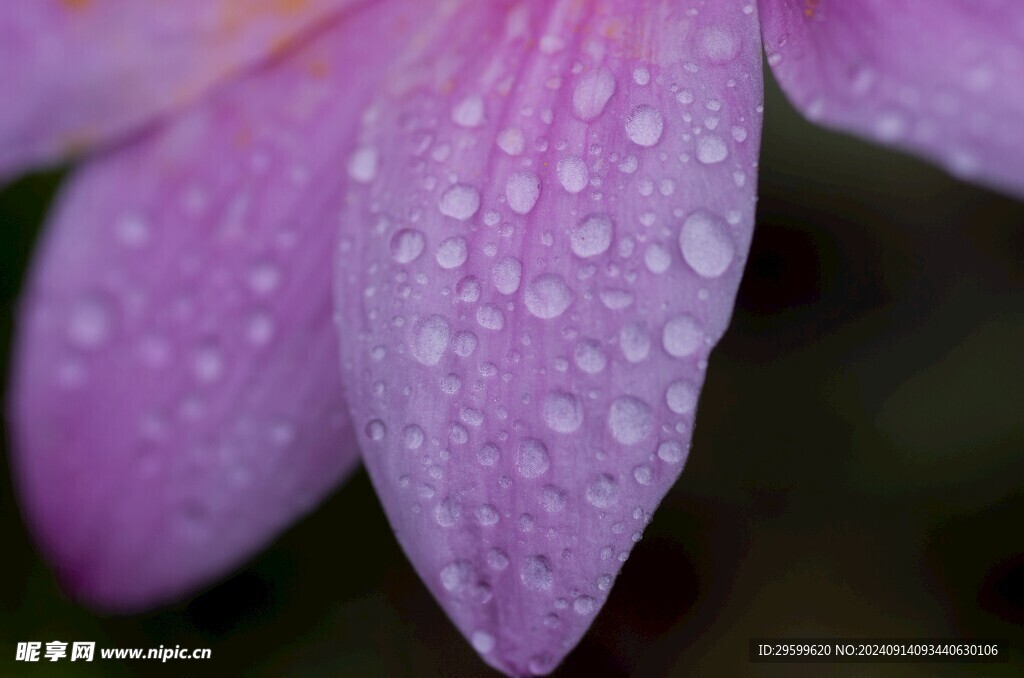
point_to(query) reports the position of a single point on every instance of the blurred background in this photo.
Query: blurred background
(857, 467)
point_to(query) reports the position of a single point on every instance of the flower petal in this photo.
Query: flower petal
(938, 78)
(77, 72)
(538, 269)
(177, 401)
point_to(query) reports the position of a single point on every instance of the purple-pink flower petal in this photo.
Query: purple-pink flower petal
(77, 72)
(552, 212)
(177, 400)
(941, 78)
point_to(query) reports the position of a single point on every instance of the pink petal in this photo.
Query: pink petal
(77, 72)
(538, 270)
(177, 400)
(941, 78)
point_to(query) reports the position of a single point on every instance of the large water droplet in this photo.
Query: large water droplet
(469, 112)
(507, 275)
(602, 492)
(670, 452)
(705, 243)
(362, 166)
(407, 245)
(644, 125)
(572, 173)
(657, 258)
(536, 573)
(592, 235)
(681, 336)
(460, 201)
(512, 141)
(532, 458)
(590, 357)
(522, 190)
(452, 253)
(490, 317)
(563, 412)
(719, 45)
(592, 93)
(711, 149)
(681, 397)
(430, 339)
(635, 342)
(630, 420)
(547, 296)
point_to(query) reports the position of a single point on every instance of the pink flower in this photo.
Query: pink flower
(535, 216)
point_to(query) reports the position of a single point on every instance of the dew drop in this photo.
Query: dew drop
(711, 149)
(460, 201)
(644, 125)
(407, 245)
(602, 493)
(563, 412)
(457, 575)
(592, 235)
(681, 397)
(468, 289)
(522, 190)
(590, 357)
(536, 573)
(643, 475)
(412, 437)
(705, 243)
(593, 90)
(90, 323)
(584, 606)
(362, 166)
(376, 430)
(488, 455)
(630, 420)
(657, 258)
(547, 296)
(430, 339)
(635, 342)
(670, 452)
(572, 174)
(452, 253)
(497, 559)
(490, 317)
(469, 112)
(507, 275)
(553, 499)
(464, 343)
(532, 458)
(487, 515)
(512, 141)
(483, 642)
(681, 336)
(719, 45)
(447, 512)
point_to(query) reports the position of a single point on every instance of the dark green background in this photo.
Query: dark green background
(857, 466)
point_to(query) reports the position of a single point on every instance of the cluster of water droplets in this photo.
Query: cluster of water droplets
(545, 386)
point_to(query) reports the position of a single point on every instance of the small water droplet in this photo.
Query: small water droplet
(705, 244)
(563, 412)
(452, 253)
(572, 174)
(536, 573)
(507, 275)
(681, 397)
(430, 339)
(362, 166)
(602, 493)
(522, 191)
(469, 112)
(407, 245)
(681, 336)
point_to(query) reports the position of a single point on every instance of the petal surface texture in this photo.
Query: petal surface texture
(538, 268)
(177, 399)
(940, 78)
(76, 72)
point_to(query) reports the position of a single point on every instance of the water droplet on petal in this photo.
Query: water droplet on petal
(635, 342)
(630, 420)
(483, 642)
(602, 493)
(592, 235)
(547, 296)
(430, 339)
(572, 174)
(469, 112)
(681, 336)
(407, 245)
(507, 275)
(670, 452)
(532, 458)
(681, 397)
(362, 166)
(522, 190)
(711, 149)
(705, 243)
(460, 201)
(536, 574)
(563, 412)
(592, 93)
(452, 253)
(644, 125)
